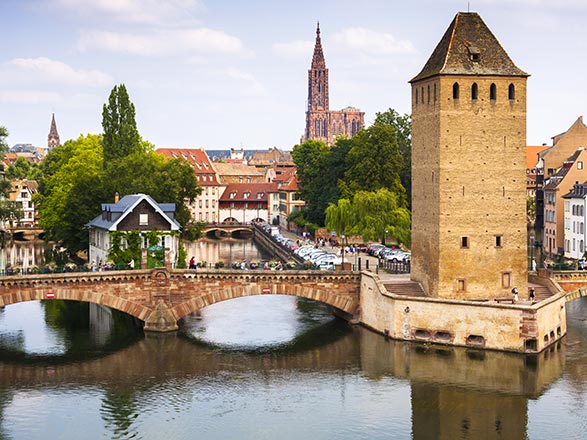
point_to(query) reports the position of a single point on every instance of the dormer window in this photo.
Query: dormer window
(246, 195)
(232, 195)
(474, 54)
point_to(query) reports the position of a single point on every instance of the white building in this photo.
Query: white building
(575, 220)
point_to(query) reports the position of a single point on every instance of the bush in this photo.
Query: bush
(219, 264)
(202, 263)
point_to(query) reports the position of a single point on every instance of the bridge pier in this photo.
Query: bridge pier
(161, 320)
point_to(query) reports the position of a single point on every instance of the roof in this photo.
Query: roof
(125, 206)
(273, 155)
(532, 155)
(248, 192)
(468, 47)
(318, 61)
(579, 191)
(197, 158)
(558, 177)
(235, 169)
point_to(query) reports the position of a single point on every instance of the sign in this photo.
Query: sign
(266, 289)
(50, 295)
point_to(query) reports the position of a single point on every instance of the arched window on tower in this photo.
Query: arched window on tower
(511, 92)
(455, 91)
(325, 129)
(428, 94)
(422, 92)
(474, 92)
(492, 92)
(317, 128)
(435, 92)
(416, 96)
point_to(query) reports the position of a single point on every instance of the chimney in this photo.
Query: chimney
(116, 197)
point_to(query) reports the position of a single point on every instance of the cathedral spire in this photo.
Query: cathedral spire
(318, 58)
(53, 138)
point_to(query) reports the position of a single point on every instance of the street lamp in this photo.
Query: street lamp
(532, 250)
(342, 236)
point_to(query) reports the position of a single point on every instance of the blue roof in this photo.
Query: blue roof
(125, 206)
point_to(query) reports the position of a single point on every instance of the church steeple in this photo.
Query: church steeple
(318, 78)
(53, 138)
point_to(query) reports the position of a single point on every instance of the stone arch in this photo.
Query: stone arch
(344, 303)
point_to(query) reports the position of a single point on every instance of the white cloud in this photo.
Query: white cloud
(168, 42)
(134, 11)
(46, 69)
(252, 86)
(296, 48)
(371, 42)
(29, 97)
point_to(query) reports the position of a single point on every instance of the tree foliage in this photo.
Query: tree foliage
(3, 144)
(403, 130)
(339, 217)
(23, 169)
(121, 137)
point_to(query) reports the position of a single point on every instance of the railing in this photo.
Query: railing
(394, 267)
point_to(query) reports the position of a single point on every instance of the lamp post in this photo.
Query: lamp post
(342, 236)
(531, 250)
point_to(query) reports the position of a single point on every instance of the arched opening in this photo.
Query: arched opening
(511, 92)
(492, 92)
(474, 92)
(455, 91)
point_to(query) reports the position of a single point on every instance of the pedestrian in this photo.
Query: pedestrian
(192, 263)
(93, 265)
(531, 296)
(533, 265)
(515, 293)
(131, 263)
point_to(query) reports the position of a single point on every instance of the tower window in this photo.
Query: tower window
(492, 92)
(428, 94)
(422, 91)
(506, 279)
(464, 242)
(416, 96)
(511, 92)
(455, 91)
(461, 285)
(498, 241)
(435, 92)
(474, 92)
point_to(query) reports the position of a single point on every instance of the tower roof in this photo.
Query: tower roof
(53, 138)
(318, 61)
(468, 47)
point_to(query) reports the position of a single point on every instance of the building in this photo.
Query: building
(321, 123)
(271, 157)
(563, 146)
(572, 170)
(135, 212)
(246, 202)
(53, 138)
(534, 168)
(21, 193)
(289, 200)
(237, 173)
(468, 155)
(204, 208)
(574, 221)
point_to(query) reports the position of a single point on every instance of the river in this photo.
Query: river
(269, 367)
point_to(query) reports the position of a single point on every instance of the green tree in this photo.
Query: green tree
(23, 169)
(71, 190)
(339, 217)
(379, 213)
(374, 162)
(121, 137)
(403, 127)
(3, 144)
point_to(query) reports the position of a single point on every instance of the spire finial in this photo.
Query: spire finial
(318, 28)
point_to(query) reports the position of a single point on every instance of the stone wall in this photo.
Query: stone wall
(477, 324)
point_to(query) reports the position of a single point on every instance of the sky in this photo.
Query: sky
(233, 74)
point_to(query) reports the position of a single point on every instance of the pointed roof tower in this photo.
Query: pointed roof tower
(53, 138)
(468, 47)
(318, 61)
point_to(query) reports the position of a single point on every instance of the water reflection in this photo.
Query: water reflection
(23, 253)
(226, 250)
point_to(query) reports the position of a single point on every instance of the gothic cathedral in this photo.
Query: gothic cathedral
(53, 138)
(321, 123)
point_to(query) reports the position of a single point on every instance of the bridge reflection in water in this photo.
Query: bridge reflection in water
(452, 390)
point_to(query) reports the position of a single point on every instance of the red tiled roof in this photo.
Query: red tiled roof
(532, 155)
(248, 192)
(199, 160)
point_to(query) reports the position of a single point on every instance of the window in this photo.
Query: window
(498, 241)
(474, 92)
(416, 96)
(143, 219)
(579, 165)
(163, 242)
(465, 242)
(455, 91)
(506, 279)
(492, 92)
(511, 92)
(461, 285)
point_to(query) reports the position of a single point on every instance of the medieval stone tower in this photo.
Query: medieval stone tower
(321, 123)
(468, 154)
(53, 138)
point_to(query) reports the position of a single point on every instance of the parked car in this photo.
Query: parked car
(400, 257)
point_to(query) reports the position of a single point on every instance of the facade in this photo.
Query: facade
(468, 108)
(574, 221)
(289, 200)
(53, 138)
(321, 123)
(273, 156)
(563, 146)
(237, 173)
(534, 168)
(205, 207)
(21, 193)
(247, 202)
(136, 212)
(572, 170)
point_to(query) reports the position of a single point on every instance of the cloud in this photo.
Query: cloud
(252, 86)
(29, 97)
(165, 42)
(371, 42)
(46, 69)
(296, 48)
(134, 11)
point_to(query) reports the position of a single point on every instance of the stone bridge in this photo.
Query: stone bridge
(161, 297)
(228, 230)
